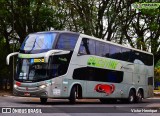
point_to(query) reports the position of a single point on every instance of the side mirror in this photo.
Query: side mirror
(8, 57)
(54, 52)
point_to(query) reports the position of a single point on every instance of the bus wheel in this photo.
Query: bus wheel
(139, 97)
(73, 95)
(131, 97)
(43, 100)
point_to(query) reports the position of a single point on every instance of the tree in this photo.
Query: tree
(18, 19)
(143, 31)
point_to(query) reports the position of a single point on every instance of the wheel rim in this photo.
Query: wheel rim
(131, 98)
(139, 97)
(75, 96)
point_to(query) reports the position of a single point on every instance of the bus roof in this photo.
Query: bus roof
(59, 32)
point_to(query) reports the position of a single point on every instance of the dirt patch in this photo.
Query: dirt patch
(157, 95)
(5, 93)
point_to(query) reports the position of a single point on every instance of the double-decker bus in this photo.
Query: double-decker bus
(69, 65)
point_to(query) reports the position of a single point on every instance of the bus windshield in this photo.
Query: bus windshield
(37, 43)
(34, 70)
(29, 71)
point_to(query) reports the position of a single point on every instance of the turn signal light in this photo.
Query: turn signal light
(18, 83)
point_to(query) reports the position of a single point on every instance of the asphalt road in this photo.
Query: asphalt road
(56, 107)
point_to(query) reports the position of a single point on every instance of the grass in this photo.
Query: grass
(156, 90)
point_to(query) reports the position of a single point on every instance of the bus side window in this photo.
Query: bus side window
(138, 56)
(102, 49)
(132, 56)
(150, 80)
(115, 52)
(106, 50)
(147, 59)
(126, 54)
(66, 42)
(87, 47)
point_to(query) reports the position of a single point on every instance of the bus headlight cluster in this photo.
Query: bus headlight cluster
(42, 86)
(15, 86)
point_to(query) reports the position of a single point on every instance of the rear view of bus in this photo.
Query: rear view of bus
(42, 62)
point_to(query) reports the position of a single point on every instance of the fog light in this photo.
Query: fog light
(42, 86)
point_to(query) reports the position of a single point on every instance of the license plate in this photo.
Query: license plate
(26, 94)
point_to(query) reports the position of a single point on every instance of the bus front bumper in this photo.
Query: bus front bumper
(23, 92)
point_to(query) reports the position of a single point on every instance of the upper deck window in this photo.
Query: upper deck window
(115, 52)
(87, 46)
(67, 41)
(37, 43)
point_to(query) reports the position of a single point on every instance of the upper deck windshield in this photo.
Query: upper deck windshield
(43, 42)
(37, 43)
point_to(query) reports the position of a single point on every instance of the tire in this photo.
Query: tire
(139, 97)
(132, 97)
(43, 100)
(73, 95)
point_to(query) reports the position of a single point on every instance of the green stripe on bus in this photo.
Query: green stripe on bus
(102, 63)
(24, 56)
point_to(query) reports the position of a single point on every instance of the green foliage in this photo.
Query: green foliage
(158, 64)
(157, 74)
(4, 72)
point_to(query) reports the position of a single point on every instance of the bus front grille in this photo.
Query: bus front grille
(28, 88)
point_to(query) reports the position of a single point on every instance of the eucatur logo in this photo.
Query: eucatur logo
(137, 5)
(105, 88)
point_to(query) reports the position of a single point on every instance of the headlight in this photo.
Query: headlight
(42, 86)
(15, 86)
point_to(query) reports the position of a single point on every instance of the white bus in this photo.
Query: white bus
(61, 64)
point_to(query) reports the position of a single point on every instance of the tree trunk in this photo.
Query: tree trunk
(6, 84)
(1, 84)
